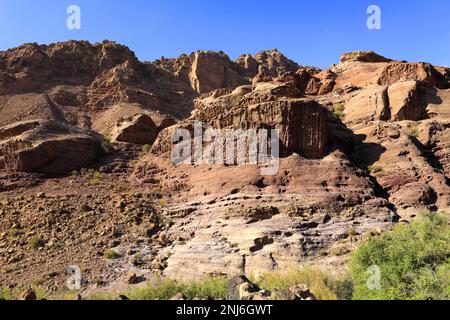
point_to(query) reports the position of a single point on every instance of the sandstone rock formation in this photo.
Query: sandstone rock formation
(139, 129)
(47, 147)
(363, 56)
(205, 71)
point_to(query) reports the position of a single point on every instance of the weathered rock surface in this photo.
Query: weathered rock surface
(363, 56)
(301, 123)
(139, 129)
(47, 147)
(205, 71)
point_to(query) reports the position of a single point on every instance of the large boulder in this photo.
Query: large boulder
(367, 105)
(49, 147)
(404, 71)
(405, 102)
(139, 129)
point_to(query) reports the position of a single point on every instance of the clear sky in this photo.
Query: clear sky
(311, 32)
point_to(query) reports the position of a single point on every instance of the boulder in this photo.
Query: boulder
(405, 102)
(405, 71)
(28, 295)
(240, 288)
(302, 292)
(179, 297)
(49, 147)
(139, 129)
(367, 105)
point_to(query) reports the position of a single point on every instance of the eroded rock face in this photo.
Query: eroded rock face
(79, 75)
(404, 71)
(302, 123)
(139, 129)
(212, 71)
(47, 147)
(274, 63)
(206, 71)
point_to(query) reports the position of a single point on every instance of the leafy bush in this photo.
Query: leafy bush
(414, 261)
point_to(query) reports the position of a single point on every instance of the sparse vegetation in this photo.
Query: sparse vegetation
(111, 254)
(338, 110)
(136, 260)
(35, 242)
(235, 100)
(156, 192)
(95, 182)
(375, 168)
(414, 261)
(146, 148)
(107, 147)
(323, 285)
(414, 133)
(216, 288)
(14, 232)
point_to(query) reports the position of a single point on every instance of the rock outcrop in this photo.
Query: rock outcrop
(301, 123)
(47, 147)
(205, 71)
(363, 56)
(139, 129)
(273, 63)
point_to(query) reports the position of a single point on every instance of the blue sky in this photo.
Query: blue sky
(309, 32)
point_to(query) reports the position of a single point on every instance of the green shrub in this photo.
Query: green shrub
(111, 254)
(95, 181)
(375, 169)
(338, 110)
(107, 147)
(413, 260)
(414, 133)
(35, 242)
